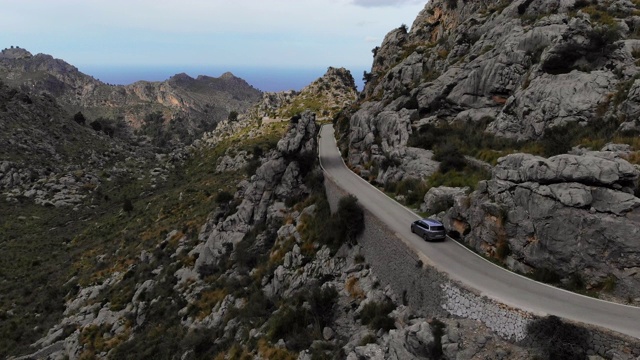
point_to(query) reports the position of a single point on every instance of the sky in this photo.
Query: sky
(267, 41)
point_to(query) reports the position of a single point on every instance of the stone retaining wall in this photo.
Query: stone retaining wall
(430, 293)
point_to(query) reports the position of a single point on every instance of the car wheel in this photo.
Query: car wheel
(412, 231)
(425, 237)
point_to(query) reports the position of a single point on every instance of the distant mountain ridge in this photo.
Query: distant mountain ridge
(201, 102)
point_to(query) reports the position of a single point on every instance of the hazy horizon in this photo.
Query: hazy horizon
(267, 79)
(293, 39)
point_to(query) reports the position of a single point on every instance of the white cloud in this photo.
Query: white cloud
(286, 33)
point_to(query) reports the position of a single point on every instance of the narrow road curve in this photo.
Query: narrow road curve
(472, 270)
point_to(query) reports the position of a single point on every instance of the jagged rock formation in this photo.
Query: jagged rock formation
(326, 96)
(248, 274)
(523, 67)
(521, 72)
(277, 179)
(230, 270)
(575, 215)
(198, 104)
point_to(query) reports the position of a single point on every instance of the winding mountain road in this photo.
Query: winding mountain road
(472, 270)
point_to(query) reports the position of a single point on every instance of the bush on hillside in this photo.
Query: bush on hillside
(224, 197)
(376, 315)
(79, 118)
(336, 229)
(555, 339)
(233, 116)
(299, 325)
(350, 219)
(450, 157)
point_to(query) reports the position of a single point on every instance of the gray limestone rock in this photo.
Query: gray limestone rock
(548, 208)
(301, 137)
(587, 169)
(441, 198)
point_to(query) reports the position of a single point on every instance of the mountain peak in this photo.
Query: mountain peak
(181, 76)
(227, 75)
(15, 53)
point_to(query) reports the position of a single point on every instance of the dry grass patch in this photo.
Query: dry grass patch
(353, 288)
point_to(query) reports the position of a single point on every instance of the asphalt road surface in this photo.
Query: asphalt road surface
(463, 265)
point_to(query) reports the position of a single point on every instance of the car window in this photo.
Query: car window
(437, 228)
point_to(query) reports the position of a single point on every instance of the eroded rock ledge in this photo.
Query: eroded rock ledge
(576, 214)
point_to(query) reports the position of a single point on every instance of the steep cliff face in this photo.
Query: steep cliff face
(573, 217)
(523, 67)
(199, 103)
(473, 81)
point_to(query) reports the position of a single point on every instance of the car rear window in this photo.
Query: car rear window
(437, 228)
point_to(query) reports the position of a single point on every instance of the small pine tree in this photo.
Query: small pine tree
(79, 118)
(127, 206)
(233, 116)
(350, 218)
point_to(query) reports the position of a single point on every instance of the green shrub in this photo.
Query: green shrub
(554, 339)
(603, 37)
(96, 125)
(350, 218)
(293, 321)
(290, 324)
(545, 275)
(609, 284)
(437, 329)
(450, 158)
(251, 167)
(575, 283)
(469, 177)
(579, 4)
(79, 118)
(368, 339)
(376, 315)
(413, 190)
(224, 197)
(127, 205)
(322, 305)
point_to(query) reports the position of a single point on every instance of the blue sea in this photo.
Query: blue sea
(264, 79)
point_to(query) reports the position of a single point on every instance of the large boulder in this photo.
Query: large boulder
(574, 214)
(441, 198)
(591, 169)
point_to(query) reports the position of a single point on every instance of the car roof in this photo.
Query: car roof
(431, 222)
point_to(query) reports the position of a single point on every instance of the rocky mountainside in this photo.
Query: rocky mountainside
(194, 105)
(224, 249)
(474, 81)
(47, 157)
(326, 96)
(228, 248)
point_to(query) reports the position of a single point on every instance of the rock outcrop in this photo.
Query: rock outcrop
(519, 68)
(277, 179)
(326, 96)
(575, 215)
(521, 76)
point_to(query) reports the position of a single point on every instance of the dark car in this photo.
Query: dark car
(429, 229)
